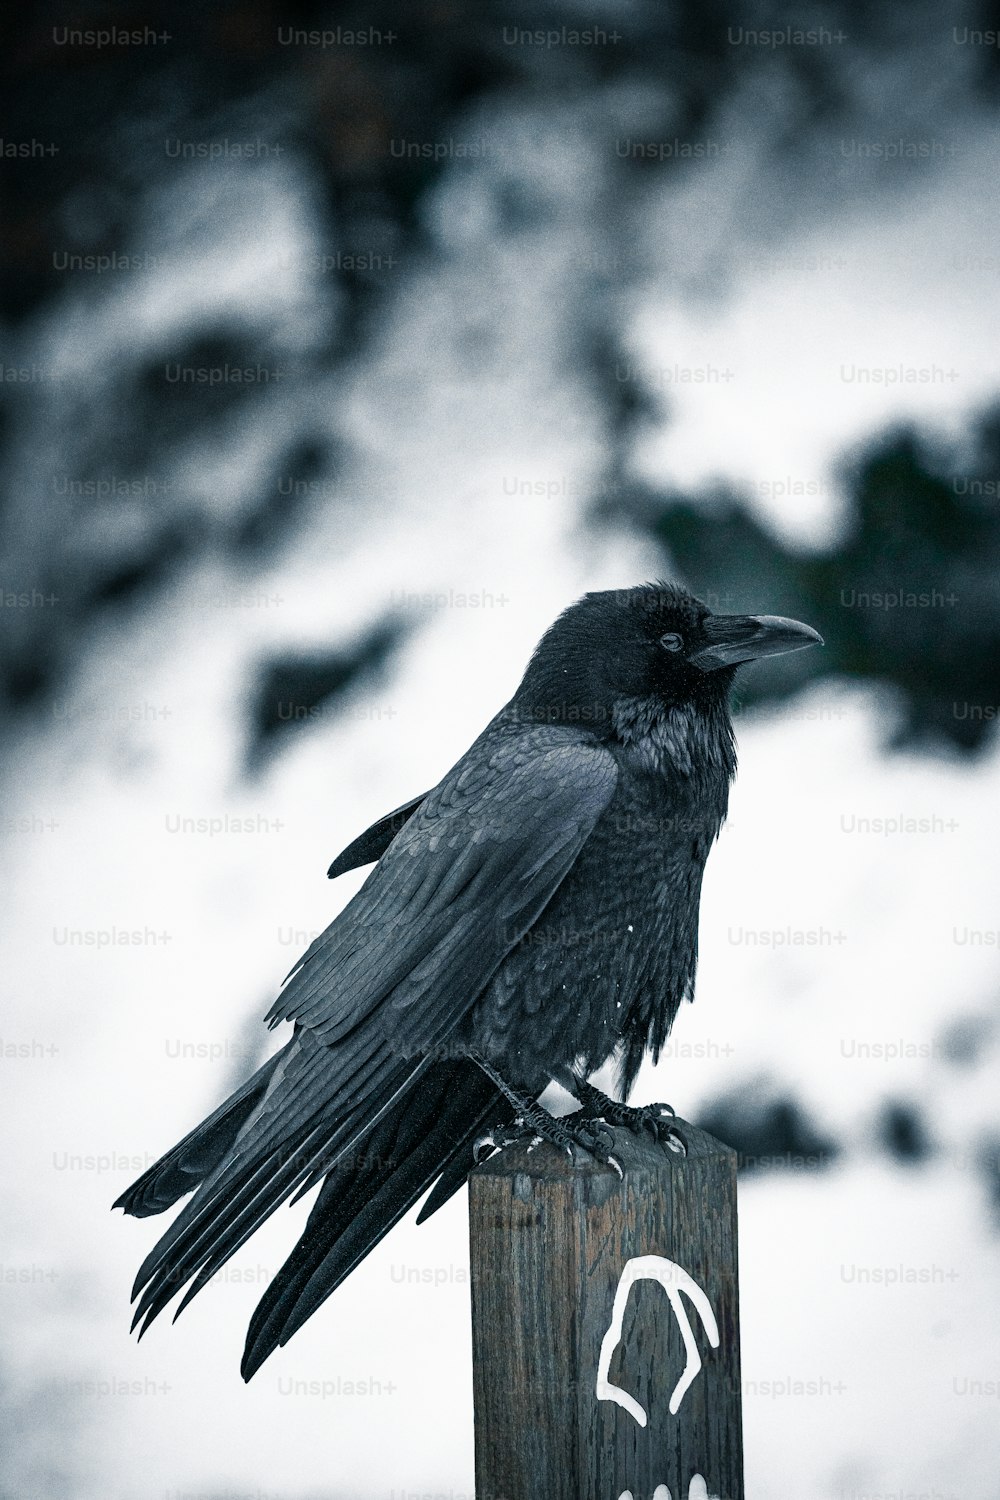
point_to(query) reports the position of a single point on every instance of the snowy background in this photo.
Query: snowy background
(481, 385)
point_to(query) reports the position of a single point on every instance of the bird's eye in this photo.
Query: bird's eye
(671, 641)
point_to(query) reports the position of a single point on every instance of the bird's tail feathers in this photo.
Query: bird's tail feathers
(195, 1157)
(427, 1135)
(296, 1127)
(284, 1130)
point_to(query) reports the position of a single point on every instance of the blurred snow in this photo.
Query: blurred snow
(877, 311)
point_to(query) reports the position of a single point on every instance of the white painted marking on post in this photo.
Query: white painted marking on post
(674, 1280)
(697, 1490)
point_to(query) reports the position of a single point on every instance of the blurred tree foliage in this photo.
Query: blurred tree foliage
(85, 173)
(908, 596)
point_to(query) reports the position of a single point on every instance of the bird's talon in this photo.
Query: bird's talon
(480, 1146)
(594, 1137)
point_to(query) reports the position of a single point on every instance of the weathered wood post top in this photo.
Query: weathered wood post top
(605, 1323)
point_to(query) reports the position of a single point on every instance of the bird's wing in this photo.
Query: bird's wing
(373, 843)
(377, 994)
(454, 892)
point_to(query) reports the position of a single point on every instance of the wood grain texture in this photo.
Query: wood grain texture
(550, 1239)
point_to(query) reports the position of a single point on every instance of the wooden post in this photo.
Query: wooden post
(605, 1323)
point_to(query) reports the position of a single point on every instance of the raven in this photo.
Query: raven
(530, 918)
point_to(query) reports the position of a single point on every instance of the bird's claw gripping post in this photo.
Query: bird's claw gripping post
(591, 1136)
(519, 1132)
(591, 1133)
(585, 1128)
(658, 1119)
(611, 1160)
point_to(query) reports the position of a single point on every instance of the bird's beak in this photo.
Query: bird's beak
(733, 639)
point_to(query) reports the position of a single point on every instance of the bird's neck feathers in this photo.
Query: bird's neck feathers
(691, 741)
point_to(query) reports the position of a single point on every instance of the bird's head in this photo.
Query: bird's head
(654, 643)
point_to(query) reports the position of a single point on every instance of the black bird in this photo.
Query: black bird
(532, 916)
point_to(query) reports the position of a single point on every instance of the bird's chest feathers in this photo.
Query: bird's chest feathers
(679, 761)
(656, 738)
